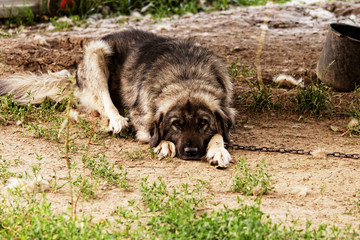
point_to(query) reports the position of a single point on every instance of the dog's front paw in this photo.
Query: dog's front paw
(117, 124)
(164, 149)
(216, 153)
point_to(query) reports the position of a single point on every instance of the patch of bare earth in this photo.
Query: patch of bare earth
(320, 190)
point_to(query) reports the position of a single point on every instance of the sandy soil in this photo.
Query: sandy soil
(320, 190)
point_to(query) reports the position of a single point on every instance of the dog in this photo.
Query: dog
(177, 94)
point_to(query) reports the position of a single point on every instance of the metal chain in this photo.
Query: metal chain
(290, 151)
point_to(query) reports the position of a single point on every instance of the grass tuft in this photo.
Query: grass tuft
(100, 168)
(314, 100)
(164, 213)
(261, 98)
(251, 182)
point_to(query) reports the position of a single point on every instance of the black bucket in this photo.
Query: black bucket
(339, 63)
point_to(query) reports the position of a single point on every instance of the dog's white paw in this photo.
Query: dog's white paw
(164, 149)
(216, 153)
(219, 157)
(117, 124)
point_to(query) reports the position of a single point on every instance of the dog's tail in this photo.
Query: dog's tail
(30, 87)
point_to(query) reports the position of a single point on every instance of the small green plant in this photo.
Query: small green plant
(54, 183)
(137, 154)
(177, 212)
(251, 182)
(221, 4)
(100, 168)
(352, 128)
(28, 218)
(66, 24)
(314, 100)
(354, 110)
(238, 70)
(5, 33)
(37, 166)
(61, 25)
(5, 173)
(261, 98)
(87, 187)
(42, 120)
(357, 200)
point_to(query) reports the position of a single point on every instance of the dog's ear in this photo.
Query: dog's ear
(156, 131)
(224, 122)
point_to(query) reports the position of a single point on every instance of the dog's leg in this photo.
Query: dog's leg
(164, 149)
(216, 153)
(93, 75)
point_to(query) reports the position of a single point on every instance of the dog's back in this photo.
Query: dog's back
(145, 60)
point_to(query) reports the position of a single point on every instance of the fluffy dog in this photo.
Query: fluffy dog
(178, 95)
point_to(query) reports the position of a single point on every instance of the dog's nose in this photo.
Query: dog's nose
(190, 151)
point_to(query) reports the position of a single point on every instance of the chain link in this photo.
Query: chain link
(290, 151)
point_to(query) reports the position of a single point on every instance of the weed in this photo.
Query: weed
(66, 24)
(234, 71)
(37, 167)
(4, 33)
(26, 218)
(54, 183)
(168, 214)
(357, 200)
(11, 111)
(43, 120)
(354, 110)
(127, 219)
(221, 4)
(5, 173)
(251, 182)
(101, 168)
(135, 155)
(314, 100)
(351, 129)
(86, 187)
(61, 25)
(261, 98)
(178, 214)
(238, 70)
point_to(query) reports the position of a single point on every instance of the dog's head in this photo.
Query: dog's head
(190, 124)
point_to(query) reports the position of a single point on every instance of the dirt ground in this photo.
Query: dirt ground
(305, 188)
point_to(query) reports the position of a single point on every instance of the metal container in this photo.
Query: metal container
(339, 63)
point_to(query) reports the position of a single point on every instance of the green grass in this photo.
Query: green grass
(180, 212)
(47, 119)
(354, 109)
(261, 98)
(251, 181)
(43, 120)
(64, 25)
(314, 100)
(5, 172)
(100, 168)
(157, 8)
(27, 218)
(239, 71)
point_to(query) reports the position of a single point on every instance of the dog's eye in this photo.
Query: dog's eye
(203, 123)
(176, 124)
